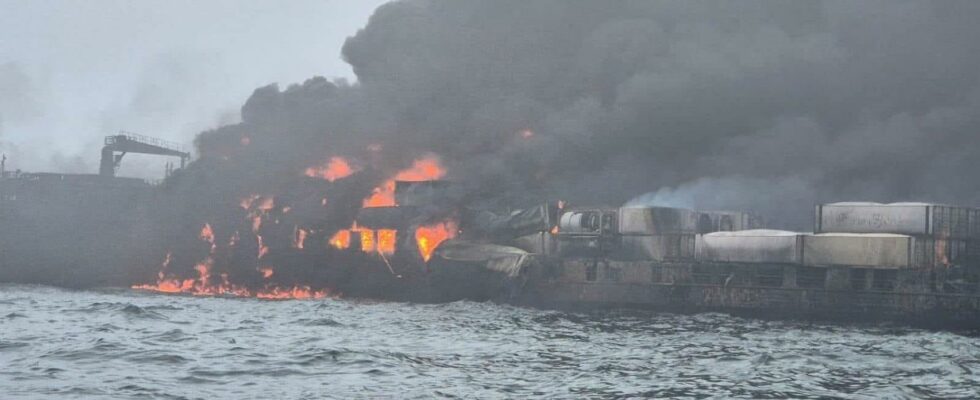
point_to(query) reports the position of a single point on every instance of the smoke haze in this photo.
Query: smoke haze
(73, 72)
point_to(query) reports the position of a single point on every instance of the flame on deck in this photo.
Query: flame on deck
(428, 237)
(370, 240)
(334, 169)
(423, 169)
(206, 284)
(367, 239)
(341, 239)
(387, 239)
(264, 212)
(207, 234)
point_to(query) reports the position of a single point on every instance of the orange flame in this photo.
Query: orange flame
(367, 238)
(202, 286)
(386, 240)
(296, 292)
(194, 288)
(429, 237)
(258, 207)
(341, 239)
(204, 271)
(333, 169)
(205, 285)
(381, 240)
(424, 169)
(207, 234)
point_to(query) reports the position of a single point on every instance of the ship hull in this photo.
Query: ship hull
(914, 309)
(641, 285)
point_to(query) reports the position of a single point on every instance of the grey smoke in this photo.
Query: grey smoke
(768, 106)
(18, 95)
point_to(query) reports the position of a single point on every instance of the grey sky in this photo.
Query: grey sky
(72, 72)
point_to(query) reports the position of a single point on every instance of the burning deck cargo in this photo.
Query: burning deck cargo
(341, 228)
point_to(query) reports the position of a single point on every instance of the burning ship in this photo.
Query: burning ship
(410, 236)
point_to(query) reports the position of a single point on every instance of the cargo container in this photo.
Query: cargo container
(934, 220)
(676, 247)
(934, 253)
(730, 221)
(867, 250)
(751, 246)
(659, 221)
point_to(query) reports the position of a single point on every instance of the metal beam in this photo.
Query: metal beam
(126, 142)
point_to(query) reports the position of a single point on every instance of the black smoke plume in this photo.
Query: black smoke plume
(754, 105)
(767, 106)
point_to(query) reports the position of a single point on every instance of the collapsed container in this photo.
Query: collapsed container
(506, 225)
(925, 219)
(751, 246)
(544, 243)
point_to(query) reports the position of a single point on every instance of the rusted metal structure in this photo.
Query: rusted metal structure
(128, 142)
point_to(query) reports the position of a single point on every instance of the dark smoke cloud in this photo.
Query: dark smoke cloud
(768, 106)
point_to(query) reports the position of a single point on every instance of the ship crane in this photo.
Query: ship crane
(128, 142)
